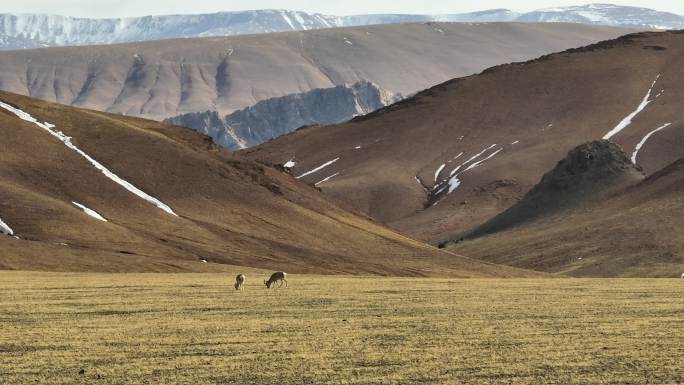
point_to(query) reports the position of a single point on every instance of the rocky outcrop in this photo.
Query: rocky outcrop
(589, 171)
(278, 116)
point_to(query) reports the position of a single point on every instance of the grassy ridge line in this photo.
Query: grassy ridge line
(194, 328)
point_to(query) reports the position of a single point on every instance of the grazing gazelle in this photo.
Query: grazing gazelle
(275, 277)
(240, 282)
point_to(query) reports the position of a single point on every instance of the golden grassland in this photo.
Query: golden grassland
(61, 328)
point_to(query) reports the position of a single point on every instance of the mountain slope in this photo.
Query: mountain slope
(90, 191)
(588, 173)
(273, 117)
(456, 155)
(61, 30)
(167, 78)
(633, 233)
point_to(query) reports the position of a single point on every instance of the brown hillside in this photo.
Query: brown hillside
(161, 79)
(491, 137)
(587, 174)
(230, 210)
(634, 233)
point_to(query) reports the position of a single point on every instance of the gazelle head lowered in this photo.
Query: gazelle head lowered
(240, 282)
(275, 277)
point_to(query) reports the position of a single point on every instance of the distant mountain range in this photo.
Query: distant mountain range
(36, 30)
(271, 76)
(451, 158)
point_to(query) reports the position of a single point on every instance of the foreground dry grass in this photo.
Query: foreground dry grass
(194, 329)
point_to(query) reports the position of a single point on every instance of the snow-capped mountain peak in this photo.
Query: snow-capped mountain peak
(607, 14)
(38, 30)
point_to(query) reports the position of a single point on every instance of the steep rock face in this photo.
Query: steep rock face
(587, 172)
(57, 30)
(12, 42)
(63, 30)
(278, 116)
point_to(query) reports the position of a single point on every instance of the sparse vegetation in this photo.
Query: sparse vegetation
(58, 328)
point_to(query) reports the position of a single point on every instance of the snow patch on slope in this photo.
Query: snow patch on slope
(67, 142)
(90, 212)
(454, 181)
(628, 120)
(439, 171)
(327, 178)
(478, 163)
(643, 141)
(5, 229)
(319, 168)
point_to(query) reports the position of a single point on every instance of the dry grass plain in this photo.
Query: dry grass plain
(195, 329)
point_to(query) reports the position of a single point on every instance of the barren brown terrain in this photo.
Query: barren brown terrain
(161, 79)
(636, 232)
(454, 156)
(228, 210)
(593, 215)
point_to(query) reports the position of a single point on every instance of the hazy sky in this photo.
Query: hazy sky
(119, 8)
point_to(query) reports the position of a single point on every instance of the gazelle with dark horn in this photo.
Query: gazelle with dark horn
(275, 277)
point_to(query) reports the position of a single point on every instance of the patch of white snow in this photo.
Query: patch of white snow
(5, 229)
(327, 179)
(290, 164)
(90, 212)
(478, 154)
(67, 142)
(628, 119)
(643, 141)
(478, 163)
(439, 171)
(289, 21)
(319, 168)
(453, 184)
(421, 184)
(454, 171)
